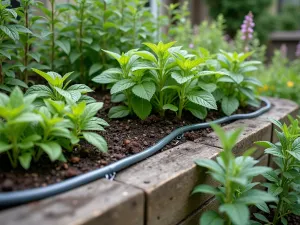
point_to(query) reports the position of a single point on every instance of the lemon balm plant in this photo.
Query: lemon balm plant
(236, 190)
(237, 87)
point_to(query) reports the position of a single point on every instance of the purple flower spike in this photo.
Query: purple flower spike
(247, 27)
(298, 50)
(191, 45)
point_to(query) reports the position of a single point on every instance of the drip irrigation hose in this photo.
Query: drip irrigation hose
(19, 197)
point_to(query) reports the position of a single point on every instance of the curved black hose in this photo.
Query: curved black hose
(19, 197)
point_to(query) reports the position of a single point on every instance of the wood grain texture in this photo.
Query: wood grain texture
(168, 179)
(101, 202)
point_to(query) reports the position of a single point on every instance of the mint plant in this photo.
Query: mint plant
(190, 94)
(59, 88)
(130, 85)
(283, 182)
(236, 191)
(236, 88)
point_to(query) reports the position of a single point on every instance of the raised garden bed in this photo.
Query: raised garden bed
(125, 137)
(154, 191)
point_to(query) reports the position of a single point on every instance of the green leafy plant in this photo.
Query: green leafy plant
(9, 36)
(17, 115)
(236, 191)
(280, 78)
(167, 80)
(26, 133)
(284, 181)
(191, 95)
(236, 88)
(85, 123)
(59, 88)
(129, 84)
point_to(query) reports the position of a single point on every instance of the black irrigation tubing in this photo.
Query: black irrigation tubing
(19, 197)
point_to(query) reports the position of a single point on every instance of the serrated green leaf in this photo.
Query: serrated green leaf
(144, 90)
(41, 90)
(118, 112)
(122, 85)
(108, 76)
(141, 107)
(230, 105)
(203, 98)
(96, 140)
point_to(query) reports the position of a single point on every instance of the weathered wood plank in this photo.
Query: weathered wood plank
(168, 179)
(101, 202)
(254, 130)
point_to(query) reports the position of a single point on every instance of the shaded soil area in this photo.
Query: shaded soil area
(125, 137)
(291, 218)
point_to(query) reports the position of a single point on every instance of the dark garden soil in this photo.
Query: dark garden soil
(125, 137)
(291, 219)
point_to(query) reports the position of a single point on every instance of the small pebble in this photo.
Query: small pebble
(126, 142)
(75, 159)
(7, 185)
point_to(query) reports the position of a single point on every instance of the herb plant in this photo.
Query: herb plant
(165, 80)
(237, 87)
(283, 182)
(236, 191)
(129, 84)
(16, 112)
(59, 88)
(9, 36)
(26, 133)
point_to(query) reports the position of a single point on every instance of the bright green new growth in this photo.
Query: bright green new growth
(59, 88)
(26, 133)
(284, 182)
(237, 88)
(235, 193)
(169, 79)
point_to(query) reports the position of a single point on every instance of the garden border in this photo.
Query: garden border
(154, 191)
(25, 196)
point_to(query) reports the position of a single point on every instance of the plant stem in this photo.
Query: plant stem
(1, 73)
(53, 34)
(134, 29)
(82, 4)
(26, 47)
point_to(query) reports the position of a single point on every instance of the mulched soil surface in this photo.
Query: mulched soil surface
(125, 137)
